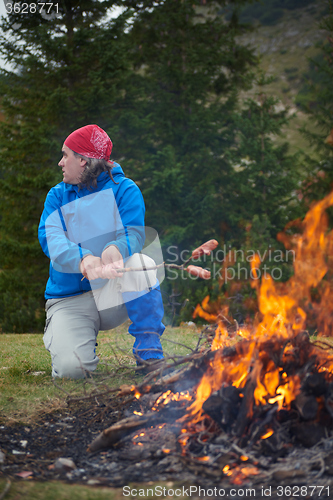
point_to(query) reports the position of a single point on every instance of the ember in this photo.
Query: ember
(267, 434)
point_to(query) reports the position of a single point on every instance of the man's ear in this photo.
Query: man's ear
(83, 163)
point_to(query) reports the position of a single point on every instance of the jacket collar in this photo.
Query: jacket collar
(102, 179)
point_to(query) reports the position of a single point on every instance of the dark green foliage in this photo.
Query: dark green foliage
(177, 122)
(177, 126)
(163, 80)
(268, 12)
(265, 176)
(155, 87)
(318, 102)
(308, 98)
(271, 18)
(260, 201)
(67, 74)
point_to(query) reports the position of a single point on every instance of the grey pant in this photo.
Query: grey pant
(73, 323)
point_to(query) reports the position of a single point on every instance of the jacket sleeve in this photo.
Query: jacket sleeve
(52, 234)
(130, 234)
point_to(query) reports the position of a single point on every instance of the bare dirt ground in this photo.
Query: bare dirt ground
(143, 457)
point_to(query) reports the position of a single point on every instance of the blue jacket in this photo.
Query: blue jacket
(77, 222)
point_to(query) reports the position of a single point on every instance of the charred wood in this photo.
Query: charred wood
(307, 406)
(315, 383)
(112, 435)
(308, 434)
(223, 406)
(329, 399)
(246, 408)
(261, 422)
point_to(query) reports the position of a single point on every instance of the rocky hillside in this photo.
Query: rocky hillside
(285, 46)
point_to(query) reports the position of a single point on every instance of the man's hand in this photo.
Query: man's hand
(112, 260)
(91, 267)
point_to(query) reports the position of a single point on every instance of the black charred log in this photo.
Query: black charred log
(308, 434)
(315, 384)
(223, 406)
(307, 406)
(246, 408)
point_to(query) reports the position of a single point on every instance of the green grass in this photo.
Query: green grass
(31, 490)
(26, 386)
(26, 395)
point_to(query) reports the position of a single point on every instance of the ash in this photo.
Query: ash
(55, 448)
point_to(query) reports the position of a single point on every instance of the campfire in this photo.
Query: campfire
(260, 389)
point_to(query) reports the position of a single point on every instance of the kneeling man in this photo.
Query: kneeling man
(92, 225)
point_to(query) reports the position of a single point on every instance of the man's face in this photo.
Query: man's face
(72, 166)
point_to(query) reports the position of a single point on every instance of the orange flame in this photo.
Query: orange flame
(221, 337)
(283, 309)
(168, 396)
(137, 393)
(269, 433)
(287, 393)
(255, 263)
(200, 311)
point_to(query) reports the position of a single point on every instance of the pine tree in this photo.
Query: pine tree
(266, 176)
(320, 107)
(162, 79)
(176, 127)
(67, 72)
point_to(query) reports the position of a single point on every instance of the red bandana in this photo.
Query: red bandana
(90, 141)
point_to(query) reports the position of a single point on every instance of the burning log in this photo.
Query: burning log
(112, 435)
(246, 408)
(271, 385)
(244, 411)
(261, 396)
(269, 390)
